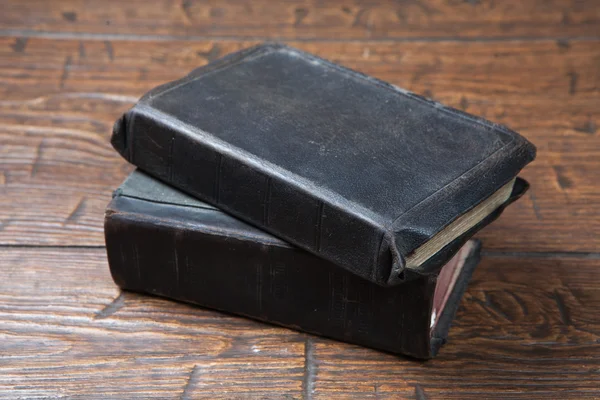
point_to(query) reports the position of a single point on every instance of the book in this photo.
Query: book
(163, 242)
(368, 176)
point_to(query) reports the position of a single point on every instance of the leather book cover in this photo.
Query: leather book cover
(354, 170)
(162, 242)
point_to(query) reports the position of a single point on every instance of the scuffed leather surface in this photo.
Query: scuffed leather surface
(433, 265)
(163, 242)
(350, 168)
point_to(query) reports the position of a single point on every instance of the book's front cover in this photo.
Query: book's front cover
(163, 242)
(352, 169)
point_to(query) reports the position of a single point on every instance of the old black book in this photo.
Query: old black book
(377, 180)
(163, 242)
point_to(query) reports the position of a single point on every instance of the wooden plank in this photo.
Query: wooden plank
(309, 19)
(526, 327)
(60, 97)
(65, 331)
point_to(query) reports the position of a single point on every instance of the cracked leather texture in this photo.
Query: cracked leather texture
(163, 242)
(349, 168)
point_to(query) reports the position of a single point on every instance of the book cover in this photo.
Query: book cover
(375, 179)
(162, 242)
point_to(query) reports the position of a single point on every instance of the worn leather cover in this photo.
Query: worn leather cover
(352, 169)
(163, 242)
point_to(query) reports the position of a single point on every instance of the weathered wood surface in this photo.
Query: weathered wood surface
(83, 338)
(309, 19)
(527, 327)
(59, 98)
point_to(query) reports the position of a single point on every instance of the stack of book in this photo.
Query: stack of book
(279, 186)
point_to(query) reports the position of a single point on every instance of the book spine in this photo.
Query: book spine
(198, 164)
(206, 265)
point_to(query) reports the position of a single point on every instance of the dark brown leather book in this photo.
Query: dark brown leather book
(375, 179)
(162, 242)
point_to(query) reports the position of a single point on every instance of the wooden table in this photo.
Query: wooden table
(529, 325)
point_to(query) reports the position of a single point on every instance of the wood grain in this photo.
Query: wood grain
(531, 324)
(65, 330)
(309, 19)
(528, 326)
(526, 329)
(59, 99)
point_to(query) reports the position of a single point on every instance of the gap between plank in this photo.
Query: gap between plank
(27, 33)
(52, 246)
(486, 253)
(308, 379)
(542, 254)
